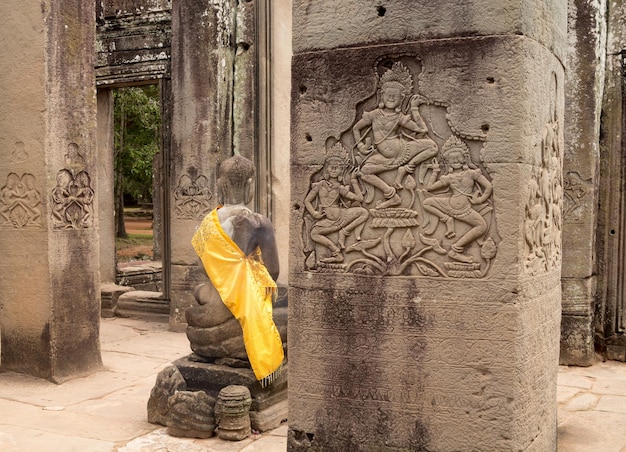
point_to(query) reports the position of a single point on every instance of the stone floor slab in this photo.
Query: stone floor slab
(128, 403)
(582, 402)
(612, 404)
(43, 393)
(567, 377)
(593, 431)
(107, 410)
(565, 393)
(20, 439)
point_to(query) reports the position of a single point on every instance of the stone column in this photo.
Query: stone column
(202, 101)
(583, 105)
(106, 189)
(49, 283)
(426, 157)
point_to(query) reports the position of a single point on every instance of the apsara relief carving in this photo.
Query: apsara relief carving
(20, 202)
(72, 197)
(192, 197)
(542, 226)
(576, 192)
(400, 193)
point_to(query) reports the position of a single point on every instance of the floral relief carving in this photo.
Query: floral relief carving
(20, 202)
(400, 192)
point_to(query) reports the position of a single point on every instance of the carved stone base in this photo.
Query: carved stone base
(267, 411)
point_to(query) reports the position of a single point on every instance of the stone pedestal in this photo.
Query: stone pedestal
(425, 228)
(49, 279)
(267, 410)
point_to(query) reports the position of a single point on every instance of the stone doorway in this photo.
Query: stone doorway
(133, 50)
(148, 278)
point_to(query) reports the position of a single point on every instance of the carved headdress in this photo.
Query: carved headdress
(455, 144)
(398, 76)
(337, 154)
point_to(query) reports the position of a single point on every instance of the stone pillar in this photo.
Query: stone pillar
(49, 283)
(583, 105)
(424, 297)
(106, 189)
(202, 101)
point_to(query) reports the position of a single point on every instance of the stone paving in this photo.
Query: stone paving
(106, 411)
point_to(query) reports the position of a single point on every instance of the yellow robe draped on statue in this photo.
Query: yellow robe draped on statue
(247, 289)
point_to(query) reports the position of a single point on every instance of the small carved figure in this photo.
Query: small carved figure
(330, 203)
(238, 252)
(84, 196)
(32, 198)
(468, 188)
(19, 154)
(9, 195)
(60, 195)
(400, 140)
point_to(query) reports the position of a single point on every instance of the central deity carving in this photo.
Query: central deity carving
(398, 196)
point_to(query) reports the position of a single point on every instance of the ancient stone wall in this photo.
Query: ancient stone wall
(425, 227)
(133, 44)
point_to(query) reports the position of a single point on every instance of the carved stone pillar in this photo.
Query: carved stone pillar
(425, 257)
(580, 182)
(202, 94)
(214, 113)
(49, 280)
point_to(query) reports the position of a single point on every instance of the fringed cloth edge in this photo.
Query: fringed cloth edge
(248, 291)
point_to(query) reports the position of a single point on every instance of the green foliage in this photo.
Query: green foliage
(137, 122)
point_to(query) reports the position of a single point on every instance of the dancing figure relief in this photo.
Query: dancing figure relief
(466, 192)
(398, 140)
(333, 204)
(543, 223)
(20, 202)
(405, 199)
(72, 200)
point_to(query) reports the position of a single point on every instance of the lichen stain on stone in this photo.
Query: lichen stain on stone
(224, 21)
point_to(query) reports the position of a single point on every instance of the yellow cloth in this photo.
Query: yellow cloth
(247, 289)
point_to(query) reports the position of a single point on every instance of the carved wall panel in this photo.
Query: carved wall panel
(72, 197)
(402, 191)
(20, 202)
(192, 197)
(542, 226)
(576, 193)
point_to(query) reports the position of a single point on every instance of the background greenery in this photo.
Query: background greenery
(137, 122)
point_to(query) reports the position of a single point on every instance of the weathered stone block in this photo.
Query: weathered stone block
(577, 347)
(327, 24)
